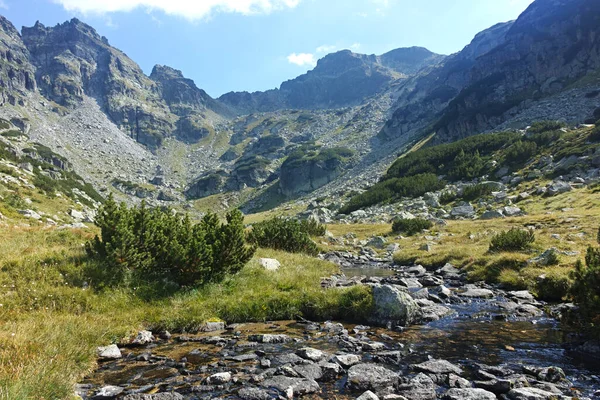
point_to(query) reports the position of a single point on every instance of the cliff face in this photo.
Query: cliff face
(553, 44)
(423, 97)
(505, 71)
(17, 75)
(340, 79)
(72, 60)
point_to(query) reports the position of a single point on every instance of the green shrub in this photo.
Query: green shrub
(553, 286)
(410, 186)
(545, 138)
(312, 227)
(545, 126)
(286, 234)
(586, 285)
(411, 227)
(466, 166)
(447, 197)
(475, 192)
(595, 134)
(520, 152)
(512, 240)
(442, 158)
(156, 246)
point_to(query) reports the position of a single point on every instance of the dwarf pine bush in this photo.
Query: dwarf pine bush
(287, 234)
(411, 227)
(142, 244)
(512, 240)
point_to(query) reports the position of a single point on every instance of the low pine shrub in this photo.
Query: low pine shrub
(546, 126)
(447, 197)
(595, 134)
(512, 240)
(520, 152)
(287, 234)
(155, 246)
(411, 227)
(586, 285)
(474, 192)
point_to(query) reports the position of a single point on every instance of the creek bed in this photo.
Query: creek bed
(480, 331)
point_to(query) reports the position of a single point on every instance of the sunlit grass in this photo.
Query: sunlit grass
(51, 321)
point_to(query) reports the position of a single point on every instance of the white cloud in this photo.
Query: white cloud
(3, 5)
(302, 59)
(190, 9)
(326, 48)
(355, 46)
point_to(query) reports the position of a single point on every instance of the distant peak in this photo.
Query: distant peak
(165, 72)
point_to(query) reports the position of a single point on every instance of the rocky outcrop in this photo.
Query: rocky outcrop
(423, 97)
(73, 61)
(207, 186)
(17, 76)
(308, 169)
(339, 80)
(550, 46)
(182, 95)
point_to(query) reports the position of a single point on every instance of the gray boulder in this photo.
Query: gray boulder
(493, 214)
(469, 394)
(558, 187)
(438, 367)
(463, 211)
(292, 387)
(370, 377)
(109, 352)
(394, 305)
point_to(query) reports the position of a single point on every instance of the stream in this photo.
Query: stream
(480, 343)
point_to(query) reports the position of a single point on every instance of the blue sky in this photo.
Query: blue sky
(226, 45)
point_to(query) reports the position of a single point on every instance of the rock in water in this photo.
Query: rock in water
(438, 367)
(469, 394)
(370, 377)
(395, 306)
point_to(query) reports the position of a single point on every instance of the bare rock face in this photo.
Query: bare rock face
(551, 45)
(72, 60)
(17, 76)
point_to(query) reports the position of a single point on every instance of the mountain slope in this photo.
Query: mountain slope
(510, 75)
(16, 74)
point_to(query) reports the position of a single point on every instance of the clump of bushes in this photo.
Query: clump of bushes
(447, 197)
(411, 227)
(520, 152)
(586, 285)
(512, 240)
(545, 126)
(475, 192)
(287, 234)
(155, 246)
(595, 133)
(410, 186)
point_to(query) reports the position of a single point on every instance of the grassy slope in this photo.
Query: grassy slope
(465, 243)
(51, 325)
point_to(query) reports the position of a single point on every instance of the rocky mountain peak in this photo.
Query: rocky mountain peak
(409, 60)
(164, 72)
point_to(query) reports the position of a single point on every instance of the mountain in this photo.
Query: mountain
(341, 79)
(162, 138)
(541, 66)
(72, 61)
(17, 76)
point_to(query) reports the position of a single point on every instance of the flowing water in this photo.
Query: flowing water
(478, 332)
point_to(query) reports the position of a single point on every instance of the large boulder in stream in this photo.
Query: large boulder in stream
(394, 307)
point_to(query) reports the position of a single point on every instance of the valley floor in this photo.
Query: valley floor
(52, 319)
